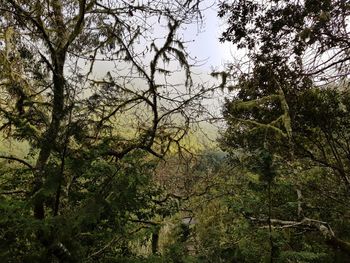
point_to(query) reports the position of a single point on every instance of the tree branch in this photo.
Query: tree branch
(79, 23)
(36, 23)
(13, 158)
(322, 227)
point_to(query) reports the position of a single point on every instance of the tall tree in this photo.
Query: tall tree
(310, 37)
(87, 84)
(281, 107)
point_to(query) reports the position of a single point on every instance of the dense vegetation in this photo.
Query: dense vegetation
(100, 161)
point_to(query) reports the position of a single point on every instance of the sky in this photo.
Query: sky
(202, 40)
(203, 45)
(206, 46)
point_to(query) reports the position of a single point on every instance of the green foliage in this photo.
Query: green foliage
(285, 130)
(292, 256)
(94, 183)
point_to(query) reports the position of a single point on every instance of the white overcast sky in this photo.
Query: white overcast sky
(203, 42)
(206, 46)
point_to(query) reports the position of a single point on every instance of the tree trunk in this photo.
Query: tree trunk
(155, 240)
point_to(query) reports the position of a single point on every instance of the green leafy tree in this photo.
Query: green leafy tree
(87, 85)
(279, 108)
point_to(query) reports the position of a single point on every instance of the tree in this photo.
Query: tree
(307, 37)
(287, 103)
(82, 125)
